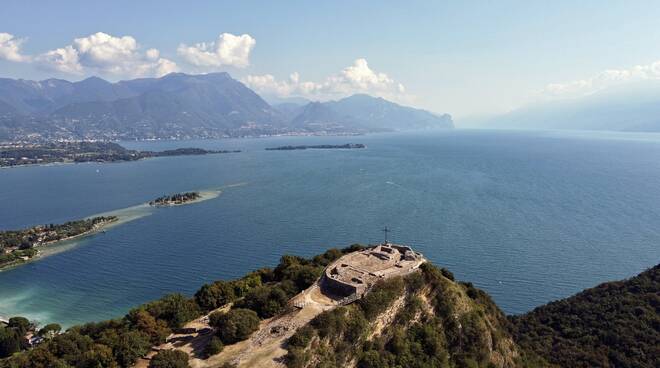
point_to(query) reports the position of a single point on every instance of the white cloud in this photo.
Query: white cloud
(106, 54)
(64, 59)
(356, 78)
(10, 48)
(607, 78)
(228, 50)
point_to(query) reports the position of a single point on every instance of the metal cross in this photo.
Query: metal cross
(386, 230)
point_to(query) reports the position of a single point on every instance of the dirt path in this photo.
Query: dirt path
(265, 348)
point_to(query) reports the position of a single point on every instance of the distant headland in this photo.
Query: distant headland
(20, 154)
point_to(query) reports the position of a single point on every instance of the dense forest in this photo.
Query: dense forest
(120, 342)
(425, 319)
(616, 324)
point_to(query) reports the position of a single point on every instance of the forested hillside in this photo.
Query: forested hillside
(616, 324)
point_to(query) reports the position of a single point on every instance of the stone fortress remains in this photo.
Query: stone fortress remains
(352, 275)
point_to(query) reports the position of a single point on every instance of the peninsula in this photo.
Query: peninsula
(19, 154)
(18, 246)
(176, 199)
(320, 146)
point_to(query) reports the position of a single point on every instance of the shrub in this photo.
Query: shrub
(212, 296)
(143, 321)
(446, 273)
(266, 301)
(170, 359)
(50, 330)
(174, 309)
(302, 337)
(214, 347)
(381, 296)
(236, 325)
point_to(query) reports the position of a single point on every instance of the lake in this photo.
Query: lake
(528, 216)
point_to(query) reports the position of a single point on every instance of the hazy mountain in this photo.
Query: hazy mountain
(43, 97)
(289, 110)
(625, 108)
(176, 105)
(185, 106)
(211, 101)
(367, 113)
(275, 100)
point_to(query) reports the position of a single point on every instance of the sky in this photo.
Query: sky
(466, 58)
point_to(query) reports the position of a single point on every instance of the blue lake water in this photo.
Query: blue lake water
(528, 216)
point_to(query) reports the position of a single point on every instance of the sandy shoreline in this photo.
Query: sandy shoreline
(48, 248)
(123, 216)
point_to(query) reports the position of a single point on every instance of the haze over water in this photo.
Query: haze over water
(528, 216)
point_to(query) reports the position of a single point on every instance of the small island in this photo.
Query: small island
(18, 246)
(20, 154)
(176, 199)
(320, 146)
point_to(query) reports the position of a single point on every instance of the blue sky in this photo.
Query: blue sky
(462, 57)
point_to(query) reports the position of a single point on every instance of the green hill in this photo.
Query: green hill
(616, 324)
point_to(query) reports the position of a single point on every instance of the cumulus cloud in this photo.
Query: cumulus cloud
(106, 54)
(97, 53)
(603, 80)
(356, 78)
(64, 59)
(228, 50)
(10, 48)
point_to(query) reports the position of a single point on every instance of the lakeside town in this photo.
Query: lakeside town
(20, 154)
(19, 246)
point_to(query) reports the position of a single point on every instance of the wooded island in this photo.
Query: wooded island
(176, 199)
(320, 146)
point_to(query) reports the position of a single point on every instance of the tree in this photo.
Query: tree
(170, 359)
(267, 301)
(130, 346)
(39, 357)
(20, 325)
(10, 342)
(235, 325)
(99, 357)
(174, 309)
(71, 347)
(145, 322)
(215, 295)
(50, 330)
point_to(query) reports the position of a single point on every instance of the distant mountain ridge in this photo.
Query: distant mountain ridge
(185, 106)
(634, 107)
(363, 113)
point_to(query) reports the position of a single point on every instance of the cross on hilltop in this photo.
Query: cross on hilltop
(386, 230)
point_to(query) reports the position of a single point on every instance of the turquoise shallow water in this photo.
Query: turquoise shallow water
(528, 216)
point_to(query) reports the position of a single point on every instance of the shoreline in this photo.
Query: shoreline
(45, 249)
(122, 215)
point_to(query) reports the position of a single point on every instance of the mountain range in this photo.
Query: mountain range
(631, 107)
(186, 106)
